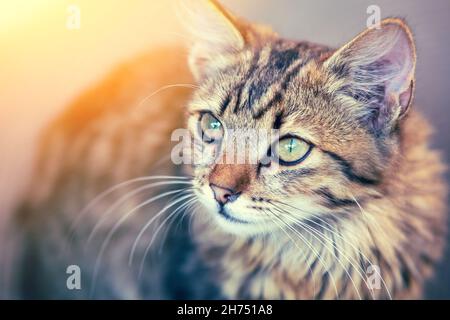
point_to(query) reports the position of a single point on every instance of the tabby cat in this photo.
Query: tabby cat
(347, 203)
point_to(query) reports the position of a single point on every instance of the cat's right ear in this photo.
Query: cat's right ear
(377, 69)
(214, 34)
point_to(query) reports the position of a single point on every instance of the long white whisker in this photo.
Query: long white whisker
(141, 267)
(300, 250)
(186, 210)
(193, 212)
(108, 191)
(311, 248)
(163, 88)
(363, 214)
(316, 234)
(126, 197)
(341, 237)
(138, 238)
(117, 225)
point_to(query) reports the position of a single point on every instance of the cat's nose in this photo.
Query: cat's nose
(223, 195)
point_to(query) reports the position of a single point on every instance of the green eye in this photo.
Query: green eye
(292, 150)
(211, 128)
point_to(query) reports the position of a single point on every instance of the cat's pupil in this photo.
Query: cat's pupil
(215, 125)
(291, 145)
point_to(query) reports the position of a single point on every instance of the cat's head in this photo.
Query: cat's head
(336, 116)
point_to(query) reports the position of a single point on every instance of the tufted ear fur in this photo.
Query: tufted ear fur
(377, 69)
(214, 33)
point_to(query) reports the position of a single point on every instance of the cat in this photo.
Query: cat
(348, 203)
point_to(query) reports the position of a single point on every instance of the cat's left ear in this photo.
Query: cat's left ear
(214, 34)
(377, 69)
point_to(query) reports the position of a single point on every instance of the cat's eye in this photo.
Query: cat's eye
(211, 128)
(291, 150)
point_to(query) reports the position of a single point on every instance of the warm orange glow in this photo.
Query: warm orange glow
(44, 64)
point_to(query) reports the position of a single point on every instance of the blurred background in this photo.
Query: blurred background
(50, 50)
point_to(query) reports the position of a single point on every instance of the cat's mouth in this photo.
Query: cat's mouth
(235, 218)
(225, 214)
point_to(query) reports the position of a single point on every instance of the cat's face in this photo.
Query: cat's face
(324, 138)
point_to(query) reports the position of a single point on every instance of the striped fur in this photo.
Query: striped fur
(370, 194)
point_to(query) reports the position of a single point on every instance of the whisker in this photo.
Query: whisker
(364, 216)
(316, 234)
(163, 88)
(186, 211)
(117, 225)
(181, 207)
(311, 248)
(126, 197)
(193, 212)
(375, 222)
(108, 191)
(339, 236)
(138, 238)
(295, 243)
(345, 240)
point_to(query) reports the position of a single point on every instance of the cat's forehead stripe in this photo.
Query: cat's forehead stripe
(278, 91)
(278, 121)
(269, 74)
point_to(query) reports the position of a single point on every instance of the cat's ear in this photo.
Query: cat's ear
(214, 32)
(377, 69)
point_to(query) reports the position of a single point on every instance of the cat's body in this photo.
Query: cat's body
(389, 227)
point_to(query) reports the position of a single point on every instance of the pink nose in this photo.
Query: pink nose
(223, 195)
